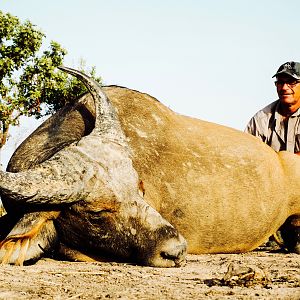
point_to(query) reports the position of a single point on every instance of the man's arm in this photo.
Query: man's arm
(255, 127)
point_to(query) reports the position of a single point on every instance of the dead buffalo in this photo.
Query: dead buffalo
(224, 190)
(91, 189)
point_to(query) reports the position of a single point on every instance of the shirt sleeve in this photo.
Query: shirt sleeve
(254, 127)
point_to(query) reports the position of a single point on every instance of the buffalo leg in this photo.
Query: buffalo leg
(290, 232)
(67, 253)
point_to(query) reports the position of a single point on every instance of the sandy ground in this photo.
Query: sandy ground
(255, 275)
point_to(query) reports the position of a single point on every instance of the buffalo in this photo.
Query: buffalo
(103, 179)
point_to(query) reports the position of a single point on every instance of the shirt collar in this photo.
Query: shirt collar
(278, 116)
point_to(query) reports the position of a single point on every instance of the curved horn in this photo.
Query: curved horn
(107, 122)
(65, 178)
(70, 174)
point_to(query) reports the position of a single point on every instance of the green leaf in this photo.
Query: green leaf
(29, 77)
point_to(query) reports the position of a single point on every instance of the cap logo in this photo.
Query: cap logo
(290, 66)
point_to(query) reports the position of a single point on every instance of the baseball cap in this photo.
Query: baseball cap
(290, 68)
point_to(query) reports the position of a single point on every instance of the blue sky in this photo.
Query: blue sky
(212, 60)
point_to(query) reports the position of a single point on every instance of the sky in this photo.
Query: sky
(213, 60)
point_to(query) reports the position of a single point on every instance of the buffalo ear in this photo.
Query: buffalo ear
(32, 236)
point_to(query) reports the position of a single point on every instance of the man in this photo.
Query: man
(278, 125)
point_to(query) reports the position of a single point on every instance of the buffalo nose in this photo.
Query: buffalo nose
(171, 253)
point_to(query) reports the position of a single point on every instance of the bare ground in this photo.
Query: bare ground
(259, 275)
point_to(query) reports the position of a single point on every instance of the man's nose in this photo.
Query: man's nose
(285, 86)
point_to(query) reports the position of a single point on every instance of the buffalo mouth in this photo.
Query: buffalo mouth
(169, 253)
(164, 247)
(179, 258)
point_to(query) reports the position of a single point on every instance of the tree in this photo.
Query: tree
(30, 84)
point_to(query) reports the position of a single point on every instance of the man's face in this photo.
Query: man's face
(288, 90)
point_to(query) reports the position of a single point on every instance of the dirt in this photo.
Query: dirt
(254, 275)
